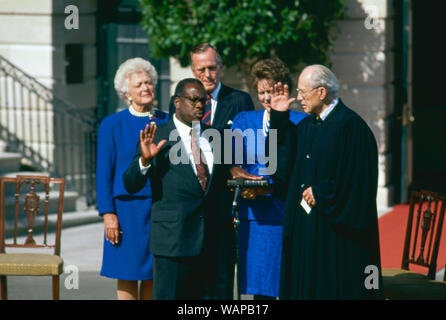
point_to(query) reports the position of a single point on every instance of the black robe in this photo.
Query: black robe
(326, 252)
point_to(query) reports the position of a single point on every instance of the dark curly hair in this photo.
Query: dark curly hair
(272, 70)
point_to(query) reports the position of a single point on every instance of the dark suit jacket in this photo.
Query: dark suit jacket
(181, 212)
(229, 103)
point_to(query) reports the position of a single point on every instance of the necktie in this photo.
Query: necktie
(200, 165)
(266, 128)
(265, 123)
(206, 119)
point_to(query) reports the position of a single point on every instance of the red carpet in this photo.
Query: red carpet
(392, 230)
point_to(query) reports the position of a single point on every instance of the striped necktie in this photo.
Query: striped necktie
(265, 123)
(206, 119)
(200, 165)
(266, 128)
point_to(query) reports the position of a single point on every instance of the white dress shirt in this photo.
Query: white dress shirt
(214, 96)
(184, 132)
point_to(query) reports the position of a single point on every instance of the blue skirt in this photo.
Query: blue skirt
(260, 254)
(130, 259)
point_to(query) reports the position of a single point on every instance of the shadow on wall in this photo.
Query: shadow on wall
(362, 57)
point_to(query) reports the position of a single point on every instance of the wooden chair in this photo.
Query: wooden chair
(28, 214)
(421, 246)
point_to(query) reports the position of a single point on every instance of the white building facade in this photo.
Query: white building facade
(371, 56)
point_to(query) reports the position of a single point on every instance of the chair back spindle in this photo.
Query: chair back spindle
(31, 208)
(27, 200)
(425, 227)
(31, 203)
(417, 226)
(424, 244)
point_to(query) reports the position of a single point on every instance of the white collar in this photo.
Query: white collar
(214, 94)
(184, 129)
(329, 109)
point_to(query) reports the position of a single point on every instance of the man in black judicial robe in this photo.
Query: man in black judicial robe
(329, 160)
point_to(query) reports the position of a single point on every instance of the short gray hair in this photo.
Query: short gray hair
(129, 67)
(321, 76)
(203, 47)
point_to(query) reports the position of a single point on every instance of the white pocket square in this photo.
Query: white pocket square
(229, 122)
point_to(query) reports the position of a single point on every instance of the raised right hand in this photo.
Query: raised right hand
(280, 100)
(149, 149)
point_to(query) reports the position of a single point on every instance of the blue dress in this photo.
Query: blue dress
(118, 138)
(260, 229)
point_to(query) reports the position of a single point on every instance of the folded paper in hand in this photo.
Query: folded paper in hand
(305, 205)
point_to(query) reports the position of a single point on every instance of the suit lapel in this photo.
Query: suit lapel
(222, 109)
(211, 175)
(186, 168)
(163, 132)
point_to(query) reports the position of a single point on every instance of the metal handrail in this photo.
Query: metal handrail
(84, 116)
(53, 134)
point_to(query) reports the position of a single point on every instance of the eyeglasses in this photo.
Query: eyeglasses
(304, 94)
(194, 101)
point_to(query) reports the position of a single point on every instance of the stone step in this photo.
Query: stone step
(24, 173)
(9, 161)
(76, 218)
(69, 219)
(3, 146)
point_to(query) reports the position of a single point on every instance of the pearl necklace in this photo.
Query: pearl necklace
(149, 114)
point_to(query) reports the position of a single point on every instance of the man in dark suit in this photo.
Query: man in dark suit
(224, 102)
(185, 190)
(222, 105)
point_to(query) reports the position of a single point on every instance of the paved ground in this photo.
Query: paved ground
(82, 248)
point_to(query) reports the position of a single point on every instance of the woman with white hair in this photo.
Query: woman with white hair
(126, 255)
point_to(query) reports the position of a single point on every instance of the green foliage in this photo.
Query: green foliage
(242, 30)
